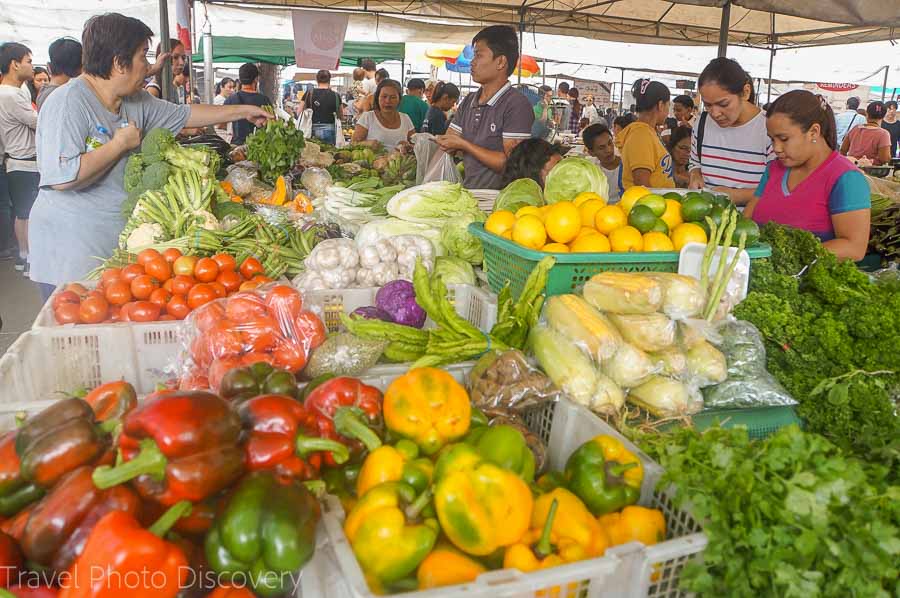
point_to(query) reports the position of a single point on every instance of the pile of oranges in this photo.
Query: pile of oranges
(159, 286)
(588, 225)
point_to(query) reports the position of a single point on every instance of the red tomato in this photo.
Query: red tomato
(256, 357)
(219, 368)
(93, 310)
(245, 306)
(260, 334)
(65, 297)
(261, 280)
(207, 316)
(224, 341)
(290, 356)
(118, 292)
(166, 318)
(159, 269)
(230, 279)
(219, 288)
(110, 275)
(160, 297)
(171, 254)
(76, 288)
(131, 271)
(147, 255)
(168, 285)
(124, 312)
(181, 284)
(67, 313)
(143, 286)
(251, 267)
(200, 353)
(115, 313)
(200, 294)
(285, 301)
(178, 307)
(225, 262)
(206, 269)
(185, 265)
(194, 380)
(311, 328)
(248, 286)
(144, 311)
(94, 293)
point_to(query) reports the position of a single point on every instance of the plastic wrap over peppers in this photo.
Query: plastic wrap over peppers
(268, 325)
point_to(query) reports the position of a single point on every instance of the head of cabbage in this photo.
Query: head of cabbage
(571, 176)
(454, 270)
(457, 240)
(518, 194)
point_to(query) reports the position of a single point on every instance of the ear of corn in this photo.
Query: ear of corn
(574, 318)
(665, 397)
(647, 332)
(624, 293)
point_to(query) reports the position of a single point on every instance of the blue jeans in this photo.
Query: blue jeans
(325, 133)
(7, 237)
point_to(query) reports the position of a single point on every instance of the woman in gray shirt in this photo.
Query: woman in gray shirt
(86, 131)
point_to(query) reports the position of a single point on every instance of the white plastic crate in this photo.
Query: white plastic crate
(623, 572)
(486, 198)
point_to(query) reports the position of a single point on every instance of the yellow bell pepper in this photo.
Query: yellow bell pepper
(634, 524)
(396, 463)
(446, 566)
(481, 507)
(575, 533)
(428, 406)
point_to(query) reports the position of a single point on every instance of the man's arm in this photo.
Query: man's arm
(203, 115)
(95, 164)
(494, 160)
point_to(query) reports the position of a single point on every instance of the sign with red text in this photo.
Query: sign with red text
(319, 38)
(837, 86)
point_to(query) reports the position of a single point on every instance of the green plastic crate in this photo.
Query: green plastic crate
(760, 422)
(507, 261)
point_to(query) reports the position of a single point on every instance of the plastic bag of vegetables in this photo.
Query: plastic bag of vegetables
(505, 380)
(647, 332)
(666, 397)
(630, 366)
(706, 365)
(684, 297)
(344, 355)
(748, 384)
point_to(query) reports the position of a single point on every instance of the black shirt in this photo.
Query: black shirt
(324, 104)
(435, 122)
(241, 129)
(894, 129)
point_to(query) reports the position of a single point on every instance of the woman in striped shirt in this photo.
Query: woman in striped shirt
(729, 146)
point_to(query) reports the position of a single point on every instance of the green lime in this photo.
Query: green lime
(660, 226)
(642, 218)
(711, 197)
(748, 227)
(692, 195)
(655, 202)
(695, 209)
(673, 195)
(716, 214)
(722, 200)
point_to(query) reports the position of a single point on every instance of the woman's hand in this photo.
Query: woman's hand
(257, 115)
(696, 179)
(128, 137)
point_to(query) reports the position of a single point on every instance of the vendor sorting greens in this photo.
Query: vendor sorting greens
(492, 121)
(86, 131)
(811, 186)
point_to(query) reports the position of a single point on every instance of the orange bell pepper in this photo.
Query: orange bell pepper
(121, 558)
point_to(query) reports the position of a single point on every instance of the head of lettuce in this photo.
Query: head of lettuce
(572, 176)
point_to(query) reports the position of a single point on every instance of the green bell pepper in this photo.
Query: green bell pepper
(604, 474)
(267, 532)
(504, 446)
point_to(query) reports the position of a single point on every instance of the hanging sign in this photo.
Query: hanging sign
(319, 38)
(837, 86)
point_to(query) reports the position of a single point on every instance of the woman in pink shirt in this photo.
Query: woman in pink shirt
(810, 185)
(869, 140)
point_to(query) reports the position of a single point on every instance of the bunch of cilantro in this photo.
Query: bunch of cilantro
(830, 323)
(790, 516)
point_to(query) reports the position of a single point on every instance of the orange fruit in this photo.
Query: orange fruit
(687, 232)
(562, 221)
(672, 215)
(626, 239)
(593, 243)
(555, 248)
(609, 218)
(529, 231)
(655, 241)
(499, 222)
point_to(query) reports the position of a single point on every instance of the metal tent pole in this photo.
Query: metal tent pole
(208, 73)
(884, 87)
(771, 59)
(622, 91)
(521, 39)
(166, 75)
(723, 29)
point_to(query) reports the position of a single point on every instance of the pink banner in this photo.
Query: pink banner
(319, 38)
(183, 23)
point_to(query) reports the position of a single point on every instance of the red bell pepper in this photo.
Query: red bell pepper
(15, 492)
(346, 408)
(282, 437)
(178, 446)
(10, 560)
(112, 400)
(60, 523)
(120, 551)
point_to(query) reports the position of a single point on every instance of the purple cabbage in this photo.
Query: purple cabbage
(370, 312)
(398, 298)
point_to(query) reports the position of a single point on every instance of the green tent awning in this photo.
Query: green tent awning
(281, 51)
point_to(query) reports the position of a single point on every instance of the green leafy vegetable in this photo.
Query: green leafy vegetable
(788, 516)
(454, 270)
(572, 176)
(518, 194)
(275, 148)
(459, 243)
(432, 203)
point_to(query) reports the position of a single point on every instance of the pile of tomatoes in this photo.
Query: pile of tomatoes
(159, 286)
(267, 325)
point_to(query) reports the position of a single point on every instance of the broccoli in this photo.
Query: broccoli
(156, 175)
(134, 170)
(155, 145)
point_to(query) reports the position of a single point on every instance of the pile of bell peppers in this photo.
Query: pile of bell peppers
(228, 486)
(455, 497)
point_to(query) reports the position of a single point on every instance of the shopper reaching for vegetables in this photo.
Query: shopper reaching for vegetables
(88, 129)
